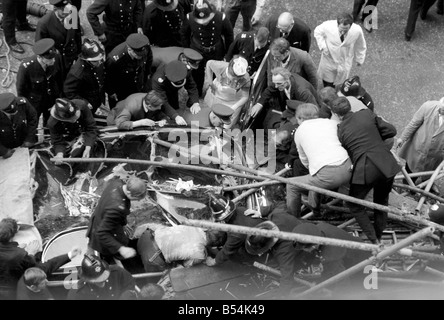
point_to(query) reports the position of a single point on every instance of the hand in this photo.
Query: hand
(33, 247)
(210, 261)
(87, 152)
(90, 107)
(139, 30)
(399, 143)
(8, 153)
(256, 18)
(145, 123)
(58, 156)
(27, 144)
(195, 108)
(255, 110)
(102, 38)
(252, 214)
(127, 252)
(161, 123)
(128, 231)
(180, 121)
(287, 166)
(75, 251)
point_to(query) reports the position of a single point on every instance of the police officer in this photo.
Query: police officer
(18, 123)
(122, 18)
(106, 229)
(252, 46)
(209, 32)
(169, 79)
(68, 41)
(72, 128)
(86, 79)
(163, 19)
(191, 58)
(128, 67)
(251, 11)
(40, 76)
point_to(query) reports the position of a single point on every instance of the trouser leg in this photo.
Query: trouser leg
(9, 8)
(381, 196)
(358, 211)
(247, 10)
(415, 8)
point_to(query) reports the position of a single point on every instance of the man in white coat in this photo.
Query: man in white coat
(341, 41)
(422, 141)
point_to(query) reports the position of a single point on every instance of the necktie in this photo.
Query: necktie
(342, 37)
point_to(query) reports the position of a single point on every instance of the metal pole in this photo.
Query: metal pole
(347, 223)
(254, 189)
(159, 164)
(415, 175)
(418, 190)
(407, 177)
(358, 267)
(281, 235)
(429, 185)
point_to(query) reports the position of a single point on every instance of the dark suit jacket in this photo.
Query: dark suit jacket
(105, 229)
(67, 41)
(362, 134)
(299, 36)
(300, 90)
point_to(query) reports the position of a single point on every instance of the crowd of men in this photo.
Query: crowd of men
(143, 58)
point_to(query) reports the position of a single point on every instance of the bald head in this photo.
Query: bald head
(285, 20)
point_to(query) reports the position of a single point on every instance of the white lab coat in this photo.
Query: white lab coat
(335, 66)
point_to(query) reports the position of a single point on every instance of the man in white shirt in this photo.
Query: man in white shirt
(321, 152)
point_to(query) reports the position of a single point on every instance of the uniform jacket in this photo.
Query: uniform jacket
(243, 45)
(169, 93)
(362, 134)
(341, 54)
(67, 41)
(124, 16)
(283, 251)
(202, 117)
(20, 128)
(300, 62)
(165, 55)
(299, 36)
(105, 230)
(211, 40)
(235, 241)
(423, 147)
(163, 27)
(86, 82)
(125, 75)
(63, 132)
(131, 109)
(119, 282)
(40, 87)
(300, 90)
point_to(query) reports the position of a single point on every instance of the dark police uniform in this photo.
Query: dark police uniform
(169, 93)
(243, 45)
(122, 17)
(211, 41)
(63, 132)
(126, 75)
(105, 230)
(163, 27)
(40, 87)
(119, 281)
(84, 81)
(67, 41)
(20, 128)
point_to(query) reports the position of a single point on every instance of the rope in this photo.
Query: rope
(8, 79)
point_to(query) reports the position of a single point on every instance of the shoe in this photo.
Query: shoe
(26, 27)
(16, 47)
(408, 37)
